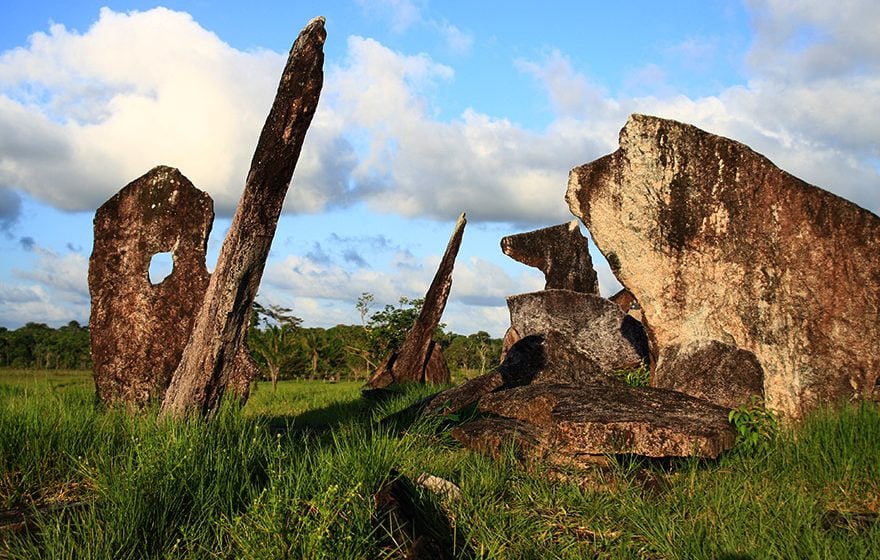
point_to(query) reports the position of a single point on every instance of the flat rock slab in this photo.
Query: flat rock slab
(598, 420)
(716, 242)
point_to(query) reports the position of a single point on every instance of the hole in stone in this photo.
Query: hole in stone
(161, 266)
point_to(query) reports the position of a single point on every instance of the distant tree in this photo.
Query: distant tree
(273, 338)
(363, 306)
(274, 344)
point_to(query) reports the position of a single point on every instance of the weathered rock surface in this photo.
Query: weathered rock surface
(419, 359)
(560, 252)
(716, 242)
(593, 420)
(216, 357)
(711, 370)
(586, 324)
(138, 330)
(533, 359)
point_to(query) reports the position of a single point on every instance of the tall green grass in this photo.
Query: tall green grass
(243, 487)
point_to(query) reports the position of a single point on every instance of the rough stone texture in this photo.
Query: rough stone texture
(458, 398)
(718, 243)
(624, 299)
(583, 323)
(418, 361)
(711, 370)
(594, 420)
(494, 436)
(138, 330)
(534, 359)
(216, 357)
(560, 252)
(511, 337)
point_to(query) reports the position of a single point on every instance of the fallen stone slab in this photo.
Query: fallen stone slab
(711, 370)
(560, 252)
(716, 242)
(533, 359)
(598, 420)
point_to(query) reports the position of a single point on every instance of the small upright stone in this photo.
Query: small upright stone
(560, 252)
(138, 329)
(420, 359)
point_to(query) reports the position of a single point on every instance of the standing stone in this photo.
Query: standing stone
(216, 357)
(138, 330)
(419, 359)
(560, 252)
(718, 243)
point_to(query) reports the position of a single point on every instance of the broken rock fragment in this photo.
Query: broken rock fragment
(717, 243)
(560, 252)
(216, 358)
(138, 328)
(590, 325)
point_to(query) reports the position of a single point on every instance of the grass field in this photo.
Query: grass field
(292, 476)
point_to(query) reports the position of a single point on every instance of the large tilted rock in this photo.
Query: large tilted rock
(138, 330)
(574, 421)
(717, 243)
(587, 324)
(419, 358)
(560, 252)
(216, 357)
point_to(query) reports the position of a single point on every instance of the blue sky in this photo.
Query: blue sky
(429, 109)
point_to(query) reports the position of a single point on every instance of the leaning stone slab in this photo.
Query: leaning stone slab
(597, 420)
(716, 242)
(139, 329)
(711, 370)
(419, 359)
(560, 252)
(591, 325)
(216, 358)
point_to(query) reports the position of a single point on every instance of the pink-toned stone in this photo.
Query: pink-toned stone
(716, 242)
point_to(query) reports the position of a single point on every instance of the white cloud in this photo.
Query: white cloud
(402, 14)
(81, 115)
(54, 290)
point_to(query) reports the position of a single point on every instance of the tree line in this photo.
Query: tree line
(282, 347)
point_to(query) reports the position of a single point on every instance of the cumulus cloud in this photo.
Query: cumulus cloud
(54, 290)
(81, 115)
(325, 294)
(402, 14)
